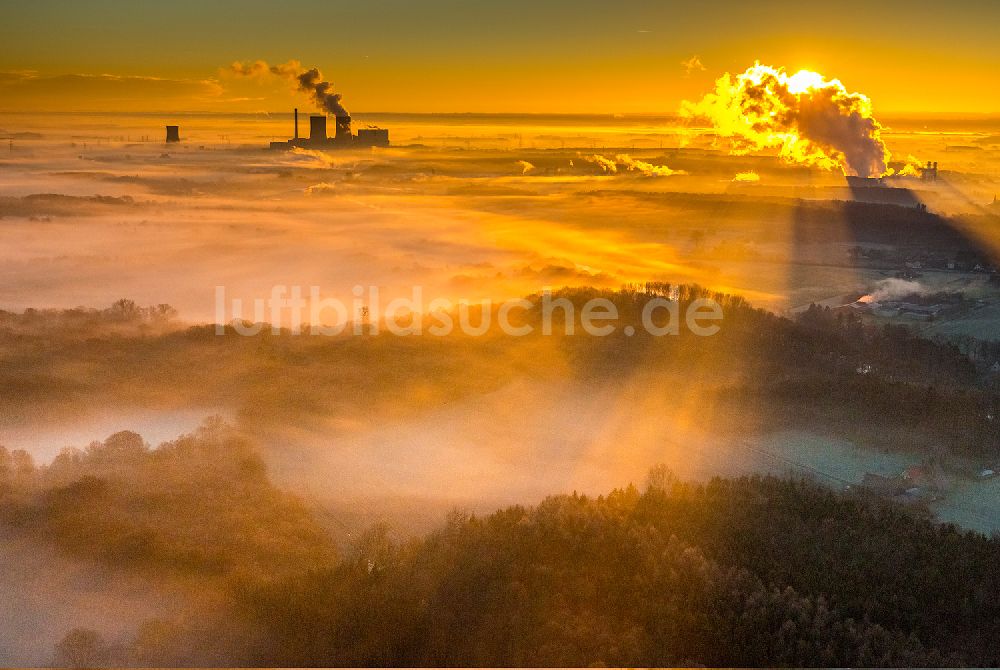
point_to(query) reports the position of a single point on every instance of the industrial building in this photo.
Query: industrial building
(343, 137)
(865, 182)
(173, 134)
(877, 191)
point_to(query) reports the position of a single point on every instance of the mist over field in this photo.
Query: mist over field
(176, 493)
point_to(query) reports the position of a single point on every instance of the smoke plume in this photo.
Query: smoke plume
(647, 169)
(895, 289)
(810, 119)
(609, 166)
(309, 81)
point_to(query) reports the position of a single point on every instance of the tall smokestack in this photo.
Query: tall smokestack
(296, 123)
(173, 134)
(317, 128)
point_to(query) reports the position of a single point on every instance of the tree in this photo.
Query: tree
(660, 478)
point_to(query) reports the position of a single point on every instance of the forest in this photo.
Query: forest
(882, 386)
(746, 572)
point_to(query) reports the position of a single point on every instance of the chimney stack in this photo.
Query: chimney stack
(343, 128)
(296, 123)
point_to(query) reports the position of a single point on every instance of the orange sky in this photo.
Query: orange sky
(515, 56)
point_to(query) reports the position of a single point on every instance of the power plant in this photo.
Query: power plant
(343, 138)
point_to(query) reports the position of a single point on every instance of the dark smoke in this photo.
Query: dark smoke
(310, 82)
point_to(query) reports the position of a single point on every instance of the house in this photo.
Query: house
(929, 475)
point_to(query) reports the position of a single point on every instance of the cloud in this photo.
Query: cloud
(17, 75)
(64, 92)
(692, 64)
(260, 69)
(322, 187)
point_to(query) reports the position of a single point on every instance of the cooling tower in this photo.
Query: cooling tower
(317, 128)
(343, 128)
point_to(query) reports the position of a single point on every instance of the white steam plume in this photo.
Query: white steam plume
(810, 119)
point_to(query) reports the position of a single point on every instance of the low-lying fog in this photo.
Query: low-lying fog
(462, 221)
(463, 207)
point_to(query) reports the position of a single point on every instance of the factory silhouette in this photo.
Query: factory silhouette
(343, 137)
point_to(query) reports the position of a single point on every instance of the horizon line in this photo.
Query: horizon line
(958, 114)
